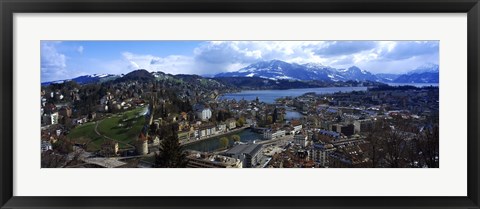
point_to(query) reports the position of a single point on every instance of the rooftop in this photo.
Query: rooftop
(250, 149)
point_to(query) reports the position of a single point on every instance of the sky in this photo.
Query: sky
(69, 59)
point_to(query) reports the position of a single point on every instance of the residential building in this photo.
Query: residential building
(65, 112)
(297, 129)
(109, 148)
(321, 153)
(50, 119)
(269, 134)
(203, 113)
(231, 124)
(346, 130)
(300, 140)
(45, 146)
(222, 127)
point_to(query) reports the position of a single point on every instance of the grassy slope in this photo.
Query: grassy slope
(109, 127)
(86, 133)
(126, 133)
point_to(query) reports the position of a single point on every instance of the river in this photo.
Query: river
(212, 144)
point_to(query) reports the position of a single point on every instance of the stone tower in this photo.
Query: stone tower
(142, 145)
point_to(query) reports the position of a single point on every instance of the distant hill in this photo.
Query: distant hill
(86, 79)
(140, 74)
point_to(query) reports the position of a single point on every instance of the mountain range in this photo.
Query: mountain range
(279, 72)
(277, 69)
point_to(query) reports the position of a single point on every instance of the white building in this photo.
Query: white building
(222, 127)
(297, 129)
(300, 140)
(50, 119)
(269, 134)
(203, 112)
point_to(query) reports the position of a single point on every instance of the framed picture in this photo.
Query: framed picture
(310, 104)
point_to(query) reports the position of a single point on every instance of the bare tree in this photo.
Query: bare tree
(394, 145)
(428, 146)
(374, 135)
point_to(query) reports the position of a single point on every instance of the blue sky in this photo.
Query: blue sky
(69, 59)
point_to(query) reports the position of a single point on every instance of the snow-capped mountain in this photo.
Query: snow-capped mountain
(424, 74)
(427, 68)
(276, 69)
(356, 74)
(280, 70)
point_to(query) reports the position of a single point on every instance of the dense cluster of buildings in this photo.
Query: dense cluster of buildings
(331, 130)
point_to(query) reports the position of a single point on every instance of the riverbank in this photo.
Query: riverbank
(189, 142)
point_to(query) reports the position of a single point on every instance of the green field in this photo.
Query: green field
(86, 134)
(123, 127)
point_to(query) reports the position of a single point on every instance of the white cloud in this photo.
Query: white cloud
(219, 56)
(80, 49)
(174, 64)
(53, 63)
(222, 56)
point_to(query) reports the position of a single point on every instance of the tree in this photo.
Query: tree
(275, 115)
(236, 138)
(54, 159)
(171, 154)
(224, 142)
(269, 119)
(281, 118)
(373, 135)
(50, 159)
(428, 146)
(394, 146)
(63, 146)
(240, 122)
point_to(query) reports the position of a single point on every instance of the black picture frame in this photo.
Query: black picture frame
(10, 7)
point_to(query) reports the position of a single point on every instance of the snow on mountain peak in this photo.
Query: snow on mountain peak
(277, 69)
(315, 65)
(429, 67)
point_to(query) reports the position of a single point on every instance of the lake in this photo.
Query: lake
(413, 84)
(269, 96)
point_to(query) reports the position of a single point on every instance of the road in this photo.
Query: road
(283, 140)
(185, 142)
